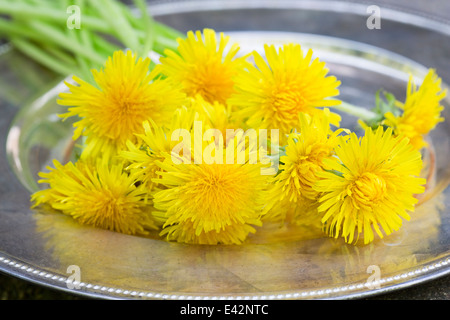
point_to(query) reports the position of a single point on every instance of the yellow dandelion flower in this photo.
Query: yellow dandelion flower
(272, 94)
(159, 142)
(155, 144)
(113, 113)
(293, 196)
(215, 116)
(372, 187)
(203, 65)
(100, 196)
(220, 119)
(49, 196)
(421, 110)
(216, 203)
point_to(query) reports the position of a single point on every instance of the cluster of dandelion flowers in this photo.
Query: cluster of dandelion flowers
(155, 145)
(271, 94)
(98, 195)
(421, 111)
(293, 197)
(372, 187)
(165, 136)
(204, 65)
(125, 95)
(211, 203)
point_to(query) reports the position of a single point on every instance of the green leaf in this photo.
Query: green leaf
(384, 102)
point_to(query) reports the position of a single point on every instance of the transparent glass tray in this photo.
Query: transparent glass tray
(286, 263)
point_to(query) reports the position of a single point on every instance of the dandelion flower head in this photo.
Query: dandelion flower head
(211, 203)
(125, 95)
(204, 65)
(421, 110)
(306, 149)
(156, 144)
(272, 93)
(372, 187)
(101, 196)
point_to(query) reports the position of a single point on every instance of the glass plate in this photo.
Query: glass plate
(276, 263)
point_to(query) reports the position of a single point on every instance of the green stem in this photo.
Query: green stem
(29, 12)
(84, 70)
(147, 25)
(9, 28)
(161, 45)
(41, 32)
(356, 111)
(38, 12)
(104, 46)
(58, 37)
(41, 56)
(161, 29)
(121, 27)
(62, 56)
(43, 25)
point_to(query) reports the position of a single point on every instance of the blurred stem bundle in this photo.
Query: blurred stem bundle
(44, 31)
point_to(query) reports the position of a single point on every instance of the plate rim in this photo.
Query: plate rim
(28, 272)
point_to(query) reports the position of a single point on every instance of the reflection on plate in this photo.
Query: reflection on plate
(290, 262)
